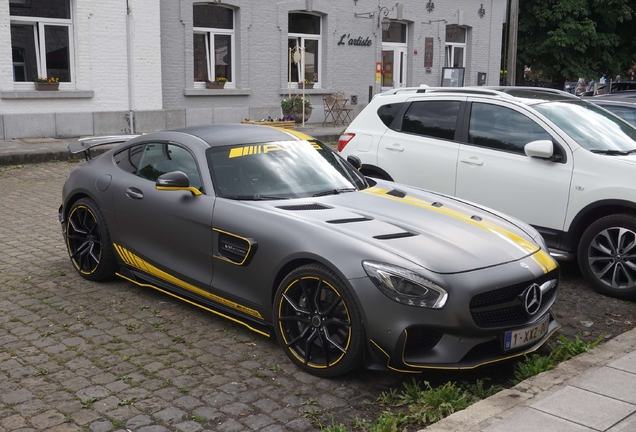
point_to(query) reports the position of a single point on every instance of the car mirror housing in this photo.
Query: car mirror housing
(176, 180)
(354, 161)
(543, 149)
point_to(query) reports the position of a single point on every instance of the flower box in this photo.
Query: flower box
(47, 86)
(287, 124)
(214, 85)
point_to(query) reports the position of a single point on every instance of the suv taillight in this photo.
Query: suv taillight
(344, 140)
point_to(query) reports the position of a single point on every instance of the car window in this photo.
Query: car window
(436, 119)
(388, 112)
(128, 159)
(502, 128)
(626, 113)
(280, 170)
(160, 158)
(590, 126)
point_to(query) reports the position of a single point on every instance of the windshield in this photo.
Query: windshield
(590, 126)
(280, 170)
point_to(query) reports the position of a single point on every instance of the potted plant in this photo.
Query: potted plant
(218, 83)
(293, 107)
(306, 84)
(47, 84)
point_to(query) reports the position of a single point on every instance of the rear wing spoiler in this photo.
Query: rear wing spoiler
(86, 144)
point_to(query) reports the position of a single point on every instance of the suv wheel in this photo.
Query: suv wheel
(607, 255)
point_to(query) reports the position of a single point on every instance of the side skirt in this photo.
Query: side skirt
(142, 279)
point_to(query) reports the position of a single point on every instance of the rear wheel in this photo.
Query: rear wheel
(88, 241)
(317, 322)
(607, 255)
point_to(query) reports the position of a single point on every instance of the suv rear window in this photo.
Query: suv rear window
(437, 119)
(387, 113)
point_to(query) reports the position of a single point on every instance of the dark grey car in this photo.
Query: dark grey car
(275, 231)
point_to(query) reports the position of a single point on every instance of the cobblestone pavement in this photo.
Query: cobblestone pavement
(84, 356)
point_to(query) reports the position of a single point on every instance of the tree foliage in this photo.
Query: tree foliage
(568, 39)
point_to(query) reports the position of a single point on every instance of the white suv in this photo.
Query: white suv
(564, 165)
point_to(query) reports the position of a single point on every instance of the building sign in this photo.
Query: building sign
(428, 52)
(356, 42)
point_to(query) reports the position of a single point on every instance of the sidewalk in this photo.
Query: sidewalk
(595, 391)
(37, 150)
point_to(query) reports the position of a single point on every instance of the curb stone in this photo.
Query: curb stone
(508, 402)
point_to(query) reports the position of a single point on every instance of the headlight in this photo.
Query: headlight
(405, 286)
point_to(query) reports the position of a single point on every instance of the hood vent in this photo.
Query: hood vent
(396, 193)
(437, 204)
(302, 207)
(395, 236)
(349, 220)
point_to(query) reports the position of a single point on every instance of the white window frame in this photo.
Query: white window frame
(302, 37)
(450, 51)
(38, 24)
(209, 33)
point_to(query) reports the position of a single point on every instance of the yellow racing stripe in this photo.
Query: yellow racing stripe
(134, 261)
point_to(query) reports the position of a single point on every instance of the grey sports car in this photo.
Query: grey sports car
(273, 230)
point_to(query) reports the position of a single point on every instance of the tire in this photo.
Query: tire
(88, 241)
(607, 256)
(322, 338)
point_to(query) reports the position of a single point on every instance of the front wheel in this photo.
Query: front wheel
(88, 241)
(607, 255)
(317, 322)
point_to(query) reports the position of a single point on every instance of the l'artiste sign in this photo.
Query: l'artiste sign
(356, 42)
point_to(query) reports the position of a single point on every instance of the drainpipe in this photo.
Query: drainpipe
(129, 17)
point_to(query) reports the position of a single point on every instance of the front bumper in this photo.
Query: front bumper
(409, 339)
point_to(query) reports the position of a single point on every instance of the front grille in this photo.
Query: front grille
(421, 339)
(505, 307)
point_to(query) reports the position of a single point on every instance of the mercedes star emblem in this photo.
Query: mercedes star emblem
(532, 299)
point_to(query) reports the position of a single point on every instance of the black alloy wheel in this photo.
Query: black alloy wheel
(607, 255)
(88, 241)
(317, 322)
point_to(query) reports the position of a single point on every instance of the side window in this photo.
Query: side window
(502, 128)
(437, 119)
(128, 160)
(387, 113)
(161, 158)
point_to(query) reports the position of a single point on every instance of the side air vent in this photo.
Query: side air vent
(235, 249)
(302, 207)
(396, 193)
(394, 236)
(350, 220)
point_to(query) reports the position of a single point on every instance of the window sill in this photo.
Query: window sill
(36, 94)
(219, 92)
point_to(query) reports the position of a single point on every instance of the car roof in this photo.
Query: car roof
(527, 95)
(235, 134)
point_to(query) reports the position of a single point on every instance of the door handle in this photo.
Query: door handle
(134, 193)
(472, 161)
(395, 147)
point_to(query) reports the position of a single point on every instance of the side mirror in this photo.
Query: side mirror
(354, 161)
(542, 149)
(176, 180)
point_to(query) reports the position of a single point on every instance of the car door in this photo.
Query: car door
(419, 148)
(171, 230)
(494, 171)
